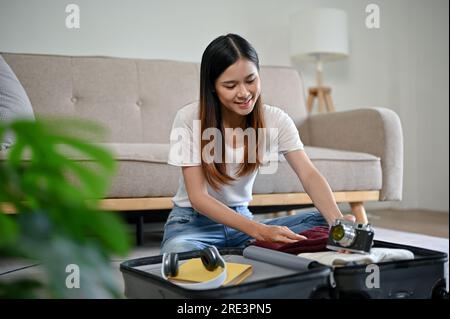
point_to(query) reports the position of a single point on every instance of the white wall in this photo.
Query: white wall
(402, 66)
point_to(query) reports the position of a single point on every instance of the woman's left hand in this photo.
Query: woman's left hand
(350, 218)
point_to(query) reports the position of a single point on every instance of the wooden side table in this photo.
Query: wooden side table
(323, 94)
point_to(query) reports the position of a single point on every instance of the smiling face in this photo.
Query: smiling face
(238, 88)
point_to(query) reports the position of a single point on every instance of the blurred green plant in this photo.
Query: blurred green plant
(53, 178)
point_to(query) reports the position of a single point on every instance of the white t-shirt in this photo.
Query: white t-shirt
(281, 135)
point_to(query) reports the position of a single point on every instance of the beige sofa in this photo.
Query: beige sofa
(359, 152)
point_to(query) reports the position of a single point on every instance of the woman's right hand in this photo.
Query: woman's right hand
(277, 234)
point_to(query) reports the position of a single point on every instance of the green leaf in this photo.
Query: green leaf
(93, 182)
(8, 230)
(22, 288)
(111, 232)
(55, 198)
(97, 153)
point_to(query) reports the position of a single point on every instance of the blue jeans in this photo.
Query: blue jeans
(187, 230)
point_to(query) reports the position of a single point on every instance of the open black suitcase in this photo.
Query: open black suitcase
(421, 278)
(143, 280)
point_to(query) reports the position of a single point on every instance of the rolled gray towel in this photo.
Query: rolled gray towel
(278, 258)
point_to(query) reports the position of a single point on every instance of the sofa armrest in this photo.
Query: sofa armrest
(375, 131)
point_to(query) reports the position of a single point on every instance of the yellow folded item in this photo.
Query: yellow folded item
(194, 271)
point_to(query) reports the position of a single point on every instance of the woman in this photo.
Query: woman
(211, 205)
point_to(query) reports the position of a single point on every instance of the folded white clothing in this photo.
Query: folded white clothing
(334, 258)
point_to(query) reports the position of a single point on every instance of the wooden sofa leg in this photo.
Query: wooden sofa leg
(359, 212)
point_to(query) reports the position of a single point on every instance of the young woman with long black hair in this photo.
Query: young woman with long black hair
(211, 205)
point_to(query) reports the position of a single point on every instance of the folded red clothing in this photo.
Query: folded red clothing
(317, 238)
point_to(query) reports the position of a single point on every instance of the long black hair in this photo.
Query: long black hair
(217, 57)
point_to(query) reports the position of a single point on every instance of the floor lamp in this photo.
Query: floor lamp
(319, 35)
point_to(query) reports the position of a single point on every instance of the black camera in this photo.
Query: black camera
(347, 235)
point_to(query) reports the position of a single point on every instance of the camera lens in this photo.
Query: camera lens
(343, 235)
(337, 233)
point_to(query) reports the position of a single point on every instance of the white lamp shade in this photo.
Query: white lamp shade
(319, 33)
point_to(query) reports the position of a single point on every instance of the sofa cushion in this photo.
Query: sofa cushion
(143, 172)
(139, 152)
(344, 171)
(14, 102)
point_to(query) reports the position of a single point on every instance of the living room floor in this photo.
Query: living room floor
(416, 221)
(430, 226)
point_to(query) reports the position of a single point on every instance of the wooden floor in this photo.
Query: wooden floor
(417, 221)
